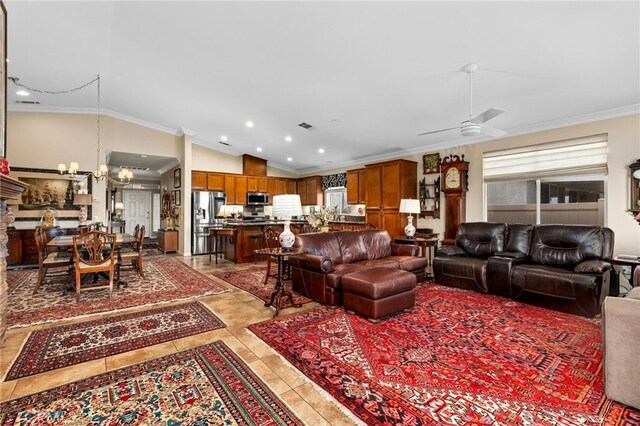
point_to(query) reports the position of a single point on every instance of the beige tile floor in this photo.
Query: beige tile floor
(237, 309)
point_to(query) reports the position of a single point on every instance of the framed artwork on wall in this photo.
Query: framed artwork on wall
(176, 178)
(431, 163)
(176, 196)
(50, 190)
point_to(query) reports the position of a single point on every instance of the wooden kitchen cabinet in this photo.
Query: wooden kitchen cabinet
(291, 186)
(273, 188)
(362, 186)
(241, 190)
(302, 191)
(252, 183)
(263, 184)
(356, 186)
(199, 180)
(215, 181)
(310, 191)
(281, 187)
(388, 183)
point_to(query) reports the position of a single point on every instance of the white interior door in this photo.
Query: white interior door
(137, 210)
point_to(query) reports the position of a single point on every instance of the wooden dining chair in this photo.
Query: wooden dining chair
(94, 253)
(133, 255)
(60, 261)
(271, 240)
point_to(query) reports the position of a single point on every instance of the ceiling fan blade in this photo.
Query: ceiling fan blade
(492, 131)
(437, 131)
(487, 115)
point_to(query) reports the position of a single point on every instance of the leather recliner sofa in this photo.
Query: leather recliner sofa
(329, 256)
(562, 267)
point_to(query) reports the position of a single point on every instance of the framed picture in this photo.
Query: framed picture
(176, 196)
(431, 163)
(48, 189)
(176, 178)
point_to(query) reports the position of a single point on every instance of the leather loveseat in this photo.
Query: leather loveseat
(562, 267)
(329, 256)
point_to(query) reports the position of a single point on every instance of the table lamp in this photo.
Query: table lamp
(118, 208)
(409, 205)
(285, 207)
(82, 200)
(224, 212)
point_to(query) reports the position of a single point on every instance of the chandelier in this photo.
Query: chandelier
(102, 171)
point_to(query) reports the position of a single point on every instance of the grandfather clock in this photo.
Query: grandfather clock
(454, 185)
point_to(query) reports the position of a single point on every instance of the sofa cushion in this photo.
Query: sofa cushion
(352, 246)
(334, 279)
(386, 262)
(565, 246)
(552, 281)
(321, 244)
(518, 238)
(481, 239)
(378, 243)
(410, 263)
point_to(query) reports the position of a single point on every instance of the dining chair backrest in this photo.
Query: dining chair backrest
(271, 238)
(140, 238)
(136, 231)
(94, 244)
(41, 245)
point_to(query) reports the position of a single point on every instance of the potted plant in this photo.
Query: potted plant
(320, 219)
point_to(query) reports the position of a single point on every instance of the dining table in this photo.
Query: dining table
(65, 242)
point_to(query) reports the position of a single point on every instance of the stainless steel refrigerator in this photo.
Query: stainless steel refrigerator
(205, 206)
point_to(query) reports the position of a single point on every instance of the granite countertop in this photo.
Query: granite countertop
(350, 222)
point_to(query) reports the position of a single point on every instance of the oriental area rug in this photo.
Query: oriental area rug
(252, 281)
(207, 385)
(58, 347)
(456, 358)
(166, 279)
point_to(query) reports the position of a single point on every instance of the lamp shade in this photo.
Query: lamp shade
(119, 206)
(225, 211)
(409, 205)
(287, 205)
(81, 199)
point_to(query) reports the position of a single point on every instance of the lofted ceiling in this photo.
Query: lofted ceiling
(369, 76)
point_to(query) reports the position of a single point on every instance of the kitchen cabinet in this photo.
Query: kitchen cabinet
(291, 186)
(252, 183)
(198, 180)
(215, 181)
(281, 187)
(310, 191)
(230, 188)
(388, 183)
(273, 188)
(241, 190)
(356, 186)
(263, 184)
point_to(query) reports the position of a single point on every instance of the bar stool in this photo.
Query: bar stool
(217, 242)
(256, 242)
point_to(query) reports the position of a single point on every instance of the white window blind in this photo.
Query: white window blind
(586, 155)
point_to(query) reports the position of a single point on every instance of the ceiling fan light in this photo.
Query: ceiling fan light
(469, 128)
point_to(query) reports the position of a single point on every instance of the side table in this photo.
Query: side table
(621, 260)
(279, 292)
(428, 247)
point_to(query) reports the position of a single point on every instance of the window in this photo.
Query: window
(559, 182)
(337, 197)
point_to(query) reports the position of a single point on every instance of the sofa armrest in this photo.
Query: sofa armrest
(312, 262)
(512, 254)
(499, 272)
(450, 251)
(592, 267)
(404, 249)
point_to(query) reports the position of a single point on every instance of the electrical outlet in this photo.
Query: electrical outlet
(626, 269)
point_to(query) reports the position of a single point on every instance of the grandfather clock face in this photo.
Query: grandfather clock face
(454, 178)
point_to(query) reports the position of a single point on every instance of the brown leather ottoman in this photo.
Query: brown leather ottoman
(377, 292)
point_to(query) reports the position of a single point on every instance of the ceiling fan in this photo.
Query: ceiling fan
(474, 126)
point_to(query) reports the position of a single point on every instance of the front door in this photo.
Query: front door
(137, 210)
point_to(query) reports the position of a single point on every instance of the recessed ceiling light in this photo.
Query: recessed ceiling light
(249, 123)
(288, 138)
(223, 138)
(22, 93)
(259, 149)
(143, 155)
(289, 159)
(321, 150)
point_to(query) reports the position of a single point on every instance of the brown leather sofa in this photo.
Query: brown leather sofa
(562, 267)
(329, 256)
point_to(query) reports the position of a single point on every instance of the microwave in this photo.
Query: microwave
(257, 198)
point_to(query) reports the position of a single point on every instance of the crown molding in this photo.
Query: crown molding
(186, 132)
(108, 112)
(174, 162)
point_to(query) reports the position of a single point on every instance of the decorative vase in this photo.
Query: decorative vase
(10, 217)
(323, 229)
(287, 238)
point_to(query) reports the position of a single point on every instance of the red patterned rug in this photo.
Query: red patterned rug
(251, 281)
(456, 358)
(167, 279)
(58, 347)
(208, 385)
